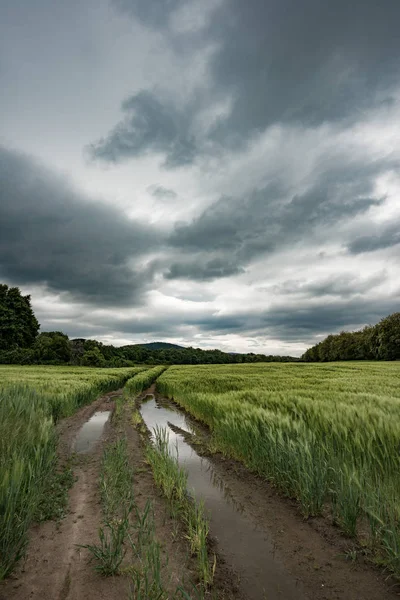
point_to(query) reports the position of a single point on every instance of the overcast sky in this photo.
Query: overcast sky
(219, 173)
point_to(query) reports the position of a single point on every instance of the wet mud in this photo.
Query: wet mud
(56, 566)
(91, 432)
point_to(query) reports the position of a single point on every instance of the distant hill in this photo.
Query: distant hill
(161, 346)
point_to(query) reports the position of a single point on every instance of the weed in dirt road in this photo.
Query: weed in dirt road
(127, 538)
(109, 553)
(116, 490)
(54, 500)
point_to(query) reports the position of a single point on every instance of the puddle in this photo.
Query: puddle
(247, 549)
(91, 431)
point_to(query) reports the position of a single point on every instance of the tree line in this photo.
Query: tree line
(374, 342)
(21, 343)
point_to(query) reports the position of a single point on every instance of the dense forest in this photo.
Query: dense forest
(21, 343)
(376, 342)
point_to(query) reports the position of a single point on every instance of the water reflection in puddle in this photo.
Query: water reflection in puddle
(246, 548)
(91, 432)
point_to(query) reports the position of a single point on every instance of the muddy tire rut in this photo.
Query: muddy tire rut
(312, 553)
(55, 568)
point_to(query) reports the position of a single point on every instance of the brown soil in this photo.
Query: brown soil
(313, 551)
(55, 567)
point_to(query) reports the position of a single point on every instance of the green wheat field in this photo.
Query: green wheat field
(327, 435)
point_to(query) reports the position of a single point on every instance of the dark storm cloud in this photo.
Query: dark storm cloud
(242, 229)
(148, 126)
(285, 61)
(203, 269)
(309, 61)
(52, 235)
(161, 193)
(386, 238)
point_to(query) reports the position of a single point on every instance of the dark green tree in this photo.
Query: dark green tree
(381, 341)
(18, 324)
(388, 338)
(93, 358)
(52, 346)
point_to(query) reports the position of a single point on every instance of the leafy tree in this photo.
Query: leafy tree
(17, 356)
(388, 338)
(53, 346)
(77, 350)
(93, 358)
(381, 341)
(18, 324)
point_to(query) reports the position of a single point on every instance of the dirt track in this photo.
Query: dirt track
(56, 569)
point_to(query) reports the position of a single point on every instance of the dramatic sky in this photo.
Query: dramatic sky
(219, 173)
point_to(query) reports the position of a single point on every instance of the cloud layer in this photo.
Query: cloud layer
(222, 173)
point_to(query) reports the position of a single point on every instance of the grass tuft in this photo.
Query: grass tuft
(172, 480)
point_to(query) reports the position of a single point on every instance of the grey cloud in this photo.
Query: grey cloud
(50, 234)
(386, 238)
(149, 126)
(309, 61)
(302, 322)
(154, 326)
(222, 323)
(286, 61)
(161, 193)
(242, 229)
(175, 324)
(291, 322)
(154, 13)
(202, 269)
(220, 227)
(342, 286)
